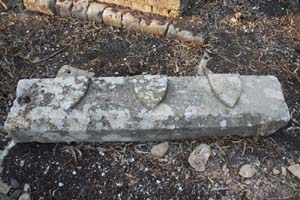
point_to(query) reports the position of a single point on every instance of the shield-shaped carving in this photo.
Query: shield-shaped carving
(150, 90)
(226, 87)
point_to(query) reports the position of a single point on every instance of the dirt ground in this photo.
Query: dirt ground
(246, 37)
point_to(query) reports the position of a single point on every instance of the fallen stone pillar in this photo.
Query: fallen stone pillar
(144, 108)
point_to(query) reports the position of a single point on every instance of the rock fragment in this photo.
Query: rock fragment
(247, 171)
(4, 188)
(295, 170)
(199, 157)
(160, 150)
(26, 187)
(276, 171)
(283, 171)
(25, 196)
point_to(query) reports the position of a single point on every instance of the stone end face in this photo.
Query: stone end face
(131, 22)
(79, 9)
(43, 6)
(64, 8)
(185, 35)
(108, 109)
(172, 8)
(95, 12)
(112, 17)
(155, 27)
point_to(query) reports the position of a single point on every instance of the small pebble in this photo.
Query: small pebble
(26, 187)
(247, 171)
(160, 150)
(276, 171)
(199, 157)
(283, 171)
(60, 184)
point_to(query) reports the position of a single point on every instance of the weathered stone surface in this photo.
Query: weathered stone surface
(112, 17)
(79, 9)
(106, 109)
(95, 12)
(226, 87)
(64, 8)
(150, 90)
(154, 27)
(161, 7)
(131, 22)
(43, 6)
(69, 71)
(185, 35)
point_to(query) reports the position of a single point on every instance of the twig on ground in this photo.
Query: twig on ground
(201, 69)
(3, 4)
(51, 56)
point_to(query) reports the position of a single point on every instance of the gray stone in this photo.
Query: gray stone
(185, 35)
(105, 109)
(64, 8)
(199, 157)
(295, 170)
(43, 6)
(95, 12)
(160, 150)
(131, 22)
(112, 17)
(226, 87)
(67, 70)
(150, 90)
(154, 26)
(4, 188)
(79, 9)
(25, 196)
